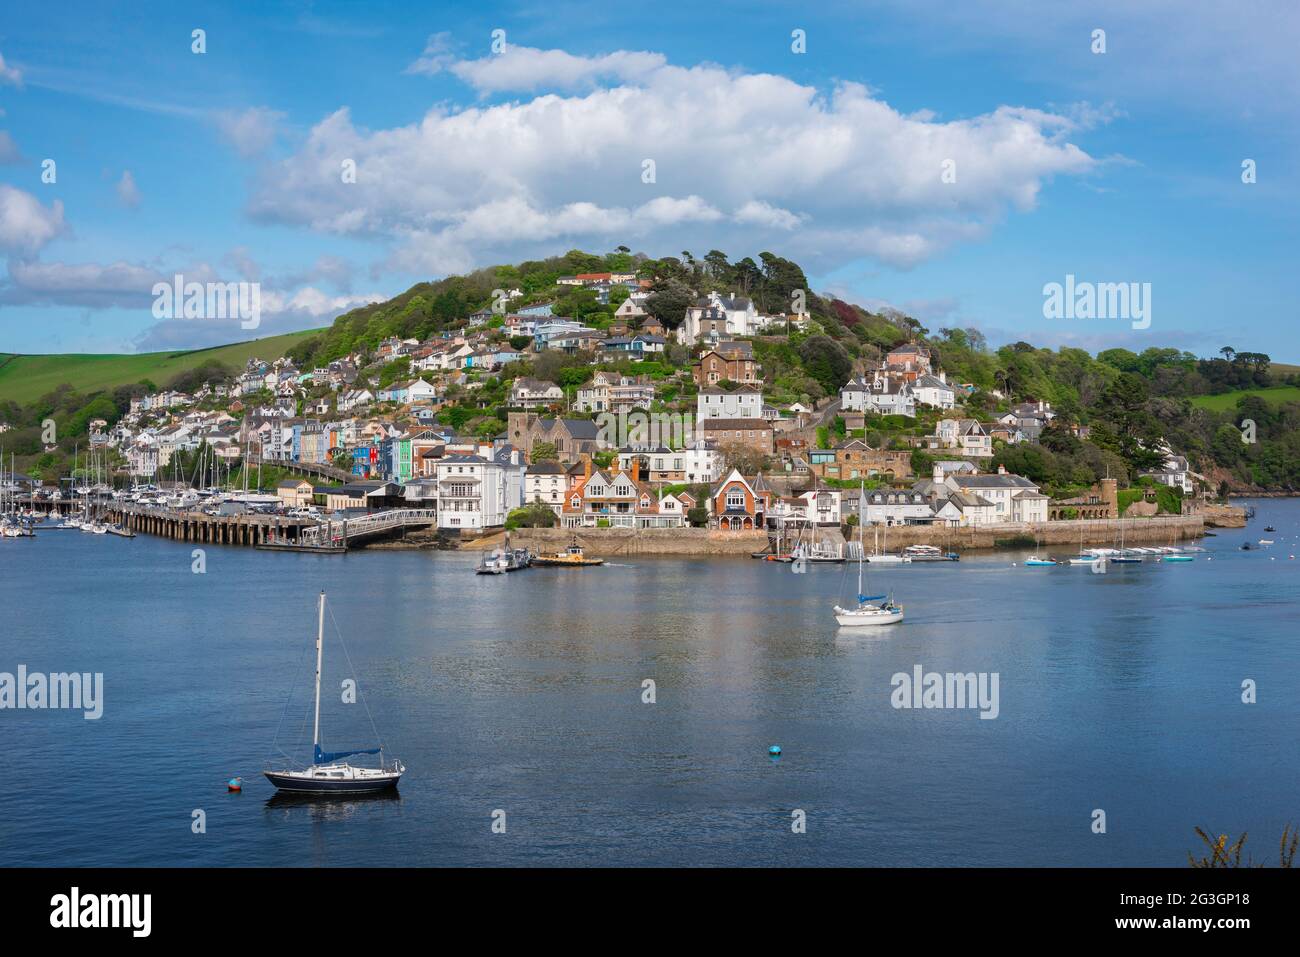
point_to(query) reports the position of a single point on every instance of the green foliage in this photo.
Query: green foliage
(533, 515)
(826, 361)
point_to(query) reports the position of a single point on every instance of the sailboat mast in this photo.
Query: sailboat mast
(320, 638)
(862, 517)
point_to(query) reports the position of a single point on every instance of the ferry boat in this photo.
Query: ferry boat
(571, 557)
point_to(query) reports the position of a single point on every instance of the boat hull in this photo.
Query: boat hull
(294, 784)
(873, 619)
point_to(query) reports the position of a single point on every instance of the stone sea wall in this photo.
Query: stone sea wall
(605, 542)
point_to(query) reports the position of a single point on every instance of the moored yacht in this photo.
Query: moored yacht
(328, 774)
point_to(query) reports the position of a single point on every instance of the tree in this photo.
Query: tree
(667, 302)
(535, 514)
(545, 452)
(826, 361)
(743, 457)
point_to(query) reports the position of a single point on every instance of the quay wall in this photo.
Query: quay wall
(604, 542)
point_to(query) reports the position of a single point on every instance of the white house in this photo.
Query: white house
(546, 482)
(1014, 498)
(896, 508)
(715, 403)
(883, 394)
(822, 505)
(965, 436)
(611, 392)
(355, 399)
(717, 317)
(479, 491)
(530, 393)
(934, 391)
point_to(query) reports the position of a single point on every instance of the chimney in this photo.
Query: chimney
(1002, 470)
(636, 469)
(937, 474)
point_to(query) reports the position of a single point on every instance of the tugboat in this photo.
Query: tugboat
(571, 557)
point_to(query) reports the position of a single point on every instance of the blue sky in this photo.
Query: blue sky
(1122, 166)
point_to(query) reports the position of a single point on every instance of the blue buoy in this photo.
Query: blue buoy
(774, 750)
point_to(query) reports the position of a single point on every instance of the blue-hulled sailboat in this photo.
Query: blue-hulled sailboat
(328, 773)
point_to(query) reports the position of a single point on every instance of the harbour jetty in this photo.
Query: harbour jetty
(270, 532)
(250, 530)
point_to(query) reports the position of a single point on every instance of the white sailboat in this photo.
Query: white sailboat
(882, 556)
(327, 773)
(871, 610)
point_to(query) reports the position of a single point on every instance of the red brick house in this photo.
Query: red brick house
(737, 504)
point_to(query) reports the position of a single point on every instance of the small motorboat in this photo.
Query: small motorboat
(1269, 528)
(1178, 558)
(1036, 562)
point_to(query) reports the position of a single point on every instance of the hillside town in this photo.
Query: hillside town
(638, 427)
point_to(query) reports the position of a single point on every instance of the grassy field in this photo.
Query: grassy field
(1228, 400)
(24, 378)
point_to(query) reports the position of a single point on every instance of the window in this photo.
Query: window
(735, 498)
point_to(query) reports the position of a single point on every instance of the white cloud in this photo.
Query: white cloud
(127, 191)
(759, 213)
(307, 308)
(740, 158)
(525, 69)
(250, 131)
(25, 224)
(93, 285)
(9, 74)
(127, 285)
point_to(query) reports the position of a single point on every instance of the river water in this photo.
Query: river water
(523, 694)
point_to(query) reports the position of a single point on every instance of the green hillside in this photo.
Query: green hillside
(1227, 401)
(24, 378)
